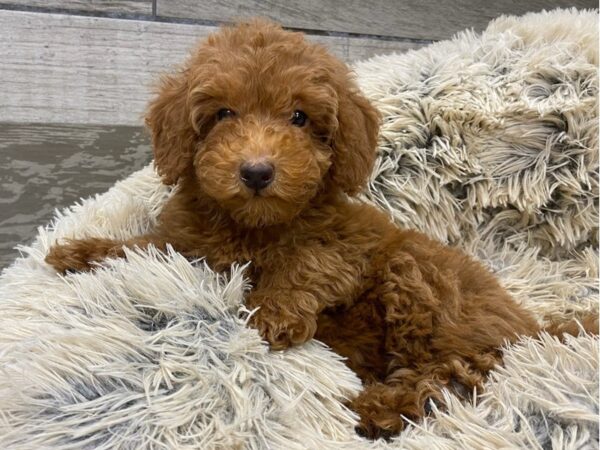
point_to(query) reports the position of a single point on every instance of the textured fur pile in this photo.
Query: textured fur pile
(491, 142)
(105, 360)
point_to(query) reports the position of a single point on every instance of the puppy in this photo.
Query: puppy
(268, 138)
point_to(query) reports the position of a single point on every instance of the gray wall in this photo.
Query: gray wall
(76, 75)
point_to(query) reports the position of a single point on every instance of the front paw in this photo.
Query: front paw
(79, 255)
(283, 329)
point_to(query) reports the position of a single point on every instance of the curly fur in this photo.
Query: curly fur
(410, 315)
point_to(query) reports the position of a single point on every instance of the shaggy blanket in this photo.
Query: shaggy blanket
(489, 142)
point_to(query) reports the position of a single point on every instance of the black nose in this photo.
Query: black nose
(256, 176)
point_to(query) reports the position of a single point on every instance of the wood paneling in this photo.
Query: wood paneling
(44, 167)
(420, 19)
(95, 6)
(72, 69)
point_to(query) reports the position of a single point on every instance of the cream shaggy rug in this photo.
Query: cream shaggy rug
(489, 142)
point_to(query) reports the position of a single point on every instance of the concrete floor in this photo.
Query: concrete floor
(47, 167)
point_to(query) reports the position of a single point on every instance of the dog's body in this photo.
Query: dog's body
(411, 315)
(267, 137)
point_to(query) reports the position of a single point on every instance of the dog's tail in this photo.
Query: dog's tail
(587, 323)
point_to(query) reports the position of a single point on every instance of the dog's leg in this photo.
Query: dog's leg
(293, 287)
(407, 394)
(80, 254)
(440, 332)
(358, 334)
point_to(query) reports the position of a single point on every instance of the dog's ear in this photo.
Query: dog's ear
(355, 140)
(173, 136)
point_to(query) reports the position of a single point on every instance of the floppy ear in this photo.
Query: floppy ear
(355, 141)
(173, 136)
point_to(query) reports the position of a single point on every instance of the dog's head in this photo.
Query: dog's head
(261, 121)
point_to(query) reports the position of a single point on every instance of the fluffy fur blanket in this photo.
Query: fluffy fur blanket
(489, 142)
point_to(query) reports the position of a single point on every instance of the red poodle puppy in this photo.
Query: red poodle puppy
(268, 138)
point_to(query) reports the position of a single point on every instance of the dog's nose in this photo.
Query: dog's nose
(256, 176)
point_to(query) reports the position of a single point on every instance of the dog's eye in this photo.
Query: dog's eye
(299, 118)
(225, 113)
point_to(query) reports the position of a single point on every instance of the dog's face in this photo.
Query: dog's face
(262, 121)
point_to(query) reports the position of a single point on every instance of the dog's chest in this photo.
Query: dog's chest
(223, 249)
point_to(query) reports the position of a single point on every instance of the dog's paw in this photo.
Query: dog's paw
(384, 408)
(282, 329)
(377, 420)
(68, 257)
(79, 255)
